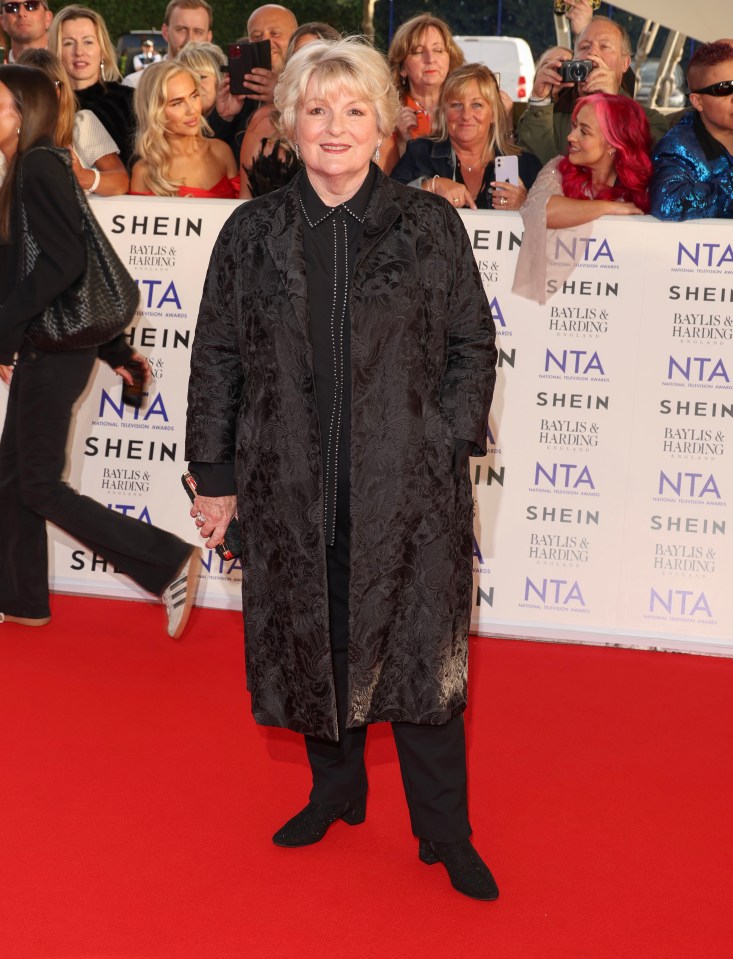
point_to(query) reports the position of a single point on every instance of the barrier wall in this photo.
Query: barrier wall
(603, 506)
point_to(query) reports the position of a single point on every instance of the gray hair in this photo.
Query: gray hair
(203, 57)
(351, 63)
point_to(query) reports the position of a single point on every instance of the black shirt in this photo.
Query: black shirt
(327, 266)
(111, 103)
(330, 241)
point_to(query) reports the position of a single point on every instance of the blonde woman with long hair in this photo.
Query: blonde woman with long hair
(94, 154)
(175, 157)
(80, 39)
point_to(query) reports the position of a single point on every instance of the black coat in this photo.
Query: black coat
(423, 357)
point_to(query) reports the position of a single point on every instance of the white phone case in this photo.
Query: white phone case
(507, 169)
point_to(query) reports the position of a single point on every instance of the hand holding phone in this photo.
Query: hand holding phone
(133, 393)
(242, 58)
(506, 169)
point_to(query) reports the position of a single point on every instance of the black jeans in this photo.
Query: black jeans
(43, 391)
(432, 758)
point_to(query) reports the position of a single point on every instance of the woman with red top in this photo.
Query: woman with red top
(421, 55)
(174, 156)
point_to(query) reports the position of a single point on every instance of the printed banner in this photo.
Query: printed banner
(602, 507)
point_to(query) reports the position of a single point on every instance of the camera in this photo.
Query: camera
(576, 71)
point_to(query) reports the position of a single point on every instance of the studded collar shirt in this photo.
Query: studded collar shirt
(330, 241)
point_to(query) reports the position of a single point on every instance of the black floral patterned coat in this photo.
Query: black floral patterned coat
(423, 357)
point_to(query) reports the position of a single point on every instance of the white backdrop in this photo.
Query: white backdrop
(603, 506)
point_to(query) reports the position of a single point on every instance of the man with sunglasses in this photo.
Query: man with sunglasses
(693, 163)
(26, 22)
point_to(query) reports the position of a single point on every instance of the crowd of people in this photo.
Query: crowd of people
(138, 135)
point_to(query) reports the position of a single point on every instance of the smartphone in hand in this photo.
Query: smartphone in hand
(133, 393)
(506, 169)
(242, 57)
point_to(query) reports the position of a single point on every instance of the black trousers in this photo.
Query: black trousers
(432, 758)
(43, 391)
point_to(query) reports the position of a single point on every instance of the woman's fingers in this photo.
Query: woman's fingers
(212, 515)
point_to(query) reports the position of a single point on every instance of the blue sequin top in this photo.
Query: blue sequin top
(693, 173)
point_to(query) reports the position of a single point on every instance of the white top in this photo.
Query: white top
(132, 79)
(91, 140)
(541, 257)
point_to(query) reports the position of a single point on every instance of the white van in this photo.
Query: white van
(510, 57)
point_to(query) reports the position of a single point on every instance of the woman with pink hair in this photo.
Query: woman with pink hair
(606, 172)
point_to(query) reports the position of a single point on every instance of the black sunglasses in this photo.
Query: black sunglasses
(30, 5)
(722, 89)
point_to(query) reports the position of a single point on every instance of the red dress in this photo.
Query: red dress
(225, 189)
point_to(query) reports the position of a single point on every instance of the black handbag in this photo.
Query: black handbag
(98, 306)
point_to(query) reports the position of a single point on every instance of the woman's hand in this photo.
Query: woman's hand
(212, 515)
(455, 193)
(507, 196)
(228, 105)
(261, 82)
(406, 122)
(623, 208)
(127, 375)
(6, 373)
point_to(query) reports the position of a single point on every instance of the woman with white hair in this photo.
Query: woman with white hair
(174, 155)
(341, 376)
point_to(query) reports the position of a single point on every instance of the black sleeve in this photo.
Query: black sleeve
(214, 479)
(54, 219)
(117, 352)
(529, 167)
(415, 162)
(232, 131)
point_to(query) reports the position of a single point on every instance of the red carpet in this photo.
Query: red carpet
(137, 800)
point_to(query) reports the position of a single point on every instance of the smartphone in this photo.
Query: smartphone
(231, 545)
(242, 57)
(506, 169)
(133, 393)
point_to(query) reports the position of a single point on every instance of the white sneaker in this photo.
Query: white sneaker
(178, 597)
